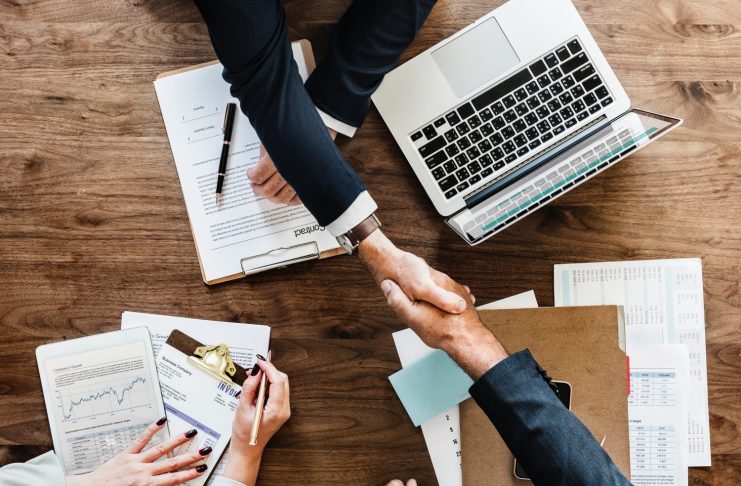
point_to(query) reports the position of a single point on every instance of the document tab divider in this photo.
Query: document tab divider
(280, 257)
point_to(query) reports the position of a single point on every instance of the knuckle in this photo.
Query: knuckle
(173, 463)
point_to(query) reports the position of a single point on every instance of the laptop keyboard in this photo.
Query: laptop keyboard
(489, 132)
(494, 216)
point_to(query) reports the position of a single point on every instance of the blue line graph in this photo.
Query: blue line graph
(114, 395)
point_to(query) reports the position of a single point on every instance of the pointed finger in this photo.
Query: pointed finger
(142, 441)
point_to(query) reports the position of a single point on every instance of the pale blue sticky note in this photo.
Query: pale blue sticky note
(431, 386)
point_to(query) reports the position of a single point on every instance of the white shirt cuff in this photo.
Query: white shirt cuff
(222, 481)
(361, 208)
(336, 125)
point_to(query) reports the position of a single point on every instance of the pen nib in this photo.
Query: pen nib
(218, 198)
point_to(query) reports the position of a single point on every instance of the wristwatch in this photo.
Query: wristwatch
(352, 238)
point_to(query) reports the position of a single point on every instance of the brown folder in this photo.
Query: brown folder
(579, 345)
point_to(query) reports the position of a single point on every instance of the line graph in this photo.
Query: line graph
(125, 393)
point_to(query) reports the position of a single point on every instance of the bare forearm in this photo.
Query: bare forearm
(476, 351)
(244, 466)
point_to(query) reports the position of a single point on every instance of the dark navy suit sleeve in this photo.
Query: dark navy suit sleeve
(365, 45)
(250, 40)
(552, 445)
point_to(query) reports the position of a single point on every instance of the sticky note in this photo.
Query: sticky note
(431, 386)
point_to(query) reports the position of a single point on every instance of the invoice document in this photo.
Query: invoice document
(657, 415)
(244, 232)
(245, 342)
(442, 433)
(663, 301)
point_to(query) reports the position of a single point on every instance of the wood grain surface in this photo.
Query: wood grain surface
(92, 220)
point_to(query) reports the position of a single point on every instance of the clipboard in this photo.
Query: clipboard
(214, 359)
(199, 387)
(278, 257)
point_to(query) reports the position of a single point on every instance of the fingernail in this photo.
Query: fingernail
(205, 451)
(162, 421)
(191, 433)
(386, 287)
(236, 395)
(201, 468)
(260, 357)
(256, 369)
(461, 306)
(250, 173)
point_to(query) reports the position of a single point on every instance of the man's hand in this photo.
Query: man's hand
(268, 183)
(417, 279)
(462, 336)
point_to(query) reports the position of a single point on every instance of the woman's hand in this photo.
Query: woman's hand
(136, 467)
(244, 459)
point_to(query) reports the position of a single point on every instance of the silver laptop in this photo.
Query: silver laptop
(510, 113)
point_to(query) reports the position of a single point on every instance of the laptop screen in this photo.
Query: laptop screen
(558, 173)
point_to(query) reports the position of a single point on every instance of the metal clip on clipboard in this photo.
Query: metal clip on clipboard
(280, 257)
(216, 361)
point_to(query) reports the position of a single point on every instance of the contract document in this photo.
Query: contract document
(245, 233)
(663, 301)
(442, 433)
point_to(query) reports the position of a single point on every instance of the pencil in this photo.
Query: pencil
(260, 407)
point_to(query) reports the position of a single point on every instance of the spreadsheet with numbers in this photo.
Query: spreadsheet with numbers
(657, 415)
(663, 304)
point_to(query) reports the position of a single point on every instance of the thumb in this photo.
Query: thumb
(443, 299)
(261, 172)
(397, 299)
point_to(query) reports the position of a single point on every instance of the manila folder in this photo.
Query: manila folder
(579, 345)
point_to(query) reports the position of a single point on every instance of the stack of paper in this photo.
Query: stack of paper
(442, 433)
(245, 340)
(663, 301)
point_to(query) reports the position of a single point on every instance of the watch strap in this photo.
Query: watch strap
(363, 230)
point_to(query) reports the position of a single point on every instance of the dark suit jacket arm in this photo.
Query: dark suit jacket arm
(251, 41)
(554, 447)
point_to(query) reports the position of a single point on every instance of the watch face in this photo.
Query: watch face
(346, 244)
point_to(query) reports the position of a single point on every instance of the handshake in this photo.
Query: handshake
(440, 310)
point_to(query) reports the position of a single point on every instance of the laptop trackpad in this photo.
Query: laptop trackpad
(476, 57)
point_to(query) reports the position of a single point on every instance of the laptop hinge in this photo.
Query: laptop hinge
(534, 162)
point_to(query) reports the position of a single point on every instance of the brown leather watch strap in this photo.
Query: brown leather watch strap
(363, 230)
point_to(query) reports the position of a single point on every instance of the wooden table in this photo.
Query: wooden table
(92, 220)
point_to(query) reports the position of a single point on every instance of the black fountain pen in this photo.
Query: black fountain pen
(231, 109)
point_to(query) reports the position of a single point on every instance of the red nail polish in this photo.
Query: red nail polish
(161, 421)
(191, 433)
(201, 468)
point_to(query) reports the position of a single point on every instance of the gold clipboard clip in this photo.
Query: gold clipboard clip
(216, 361)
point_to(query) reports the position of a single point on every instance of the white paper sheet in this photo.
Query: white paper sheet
(245, 341)
(663, 302)
(443, 434)
(658, 415)
(243, 225)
